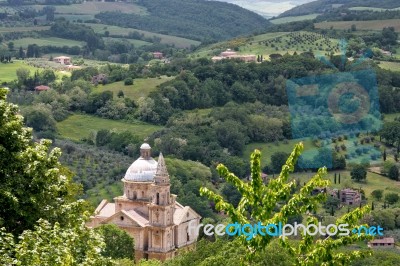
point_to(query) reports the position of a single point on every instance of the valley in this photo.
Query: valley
(207, 83)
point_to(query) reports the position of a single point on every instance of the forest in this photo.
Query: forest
(197, 20)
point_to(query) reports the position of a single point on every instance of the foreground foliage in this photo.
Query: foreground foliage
(259, 203)
(41, 223)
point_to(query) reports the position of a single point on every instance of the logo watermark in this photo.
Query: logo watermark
(324, 107)
(277, 230)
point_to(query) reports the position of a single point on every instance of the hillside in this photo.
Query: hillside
(198, 20)
(321, 6)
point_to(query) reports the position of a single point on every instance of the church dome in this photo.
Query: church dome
(144, 168)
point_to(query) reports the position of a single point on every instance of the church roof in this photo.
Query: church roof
(105, 209)
(161, 166)
(142, 170)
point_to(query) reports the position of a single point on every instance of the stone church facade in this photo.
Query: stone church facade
(148, 212)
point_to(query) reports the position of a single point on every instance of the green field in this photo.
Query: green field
(391, 117)
(276, 43)
(166, 39)
(54, 41)
(293, 19)
(375, 25)
(374, 181)
(8, 71)
(136, 43)
(23, 29)
(365, 8)
(140, 87)
(92, 8)
(267, 149)
(394, 66)
(79, 126)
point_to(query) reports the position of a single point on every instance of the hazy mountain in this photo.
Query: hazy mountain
(268, 8)
(321, 6)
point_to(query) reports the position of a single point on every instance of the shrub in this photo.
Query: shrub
(128, 81)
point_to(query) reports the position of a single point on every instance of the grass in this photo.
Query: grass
(140, 87)
(268, 149)
(394, 66)
(8, 71)
(54, 41)
(166, 39)
(79, 126)
(92, 8)
(365, 8)
(136, 43)
(391, 117)
(275, 43)
(293, 19)
(23, 29)
(376, 25)
(373, 181)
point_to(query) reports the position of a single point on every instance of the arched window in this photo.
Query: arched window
(142, 194)
(158, 198)
(134, 195)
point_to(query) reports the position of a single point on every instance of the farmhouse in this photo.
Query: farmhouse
(387, 242)
(148, 212)
(42, 88)
(229, 54)
(349, 196)
(158, 55)
(63, 60)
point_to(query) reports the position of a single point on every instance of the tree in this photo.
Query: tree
(128, 81)
(119, 244)
(40, 118)
(391, 133)
(22, 75)
(358, 173)
(38, 202)
(377, 194)
(392, 198)
(394, 173)
(259, 203)
(21, 53)
(278, 159)
(10, 46)
(47, 76)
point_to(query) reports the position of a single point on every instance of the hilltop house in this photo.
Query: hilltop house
(158, 55)
(148, 212)
(42, 88)
(387, 242)
(63, 60)
(349, 196)
(229, 54)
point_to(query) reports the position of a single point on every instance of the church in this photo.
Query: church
(148, 212)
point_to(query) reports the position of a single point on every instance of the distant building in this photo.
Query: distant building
(63, 60)
(158, 55)
(42, 88)
(349, 196)
(148, 211)
(387, 242)
(229, 54)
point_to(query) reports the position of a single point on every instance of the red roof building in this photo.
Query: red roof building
(158, 55)
(42, 88)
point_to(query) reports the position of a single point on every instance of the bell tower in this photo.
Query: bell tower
(161, 211)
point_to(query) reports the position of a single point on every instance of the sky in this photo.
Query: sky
(268, 8)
